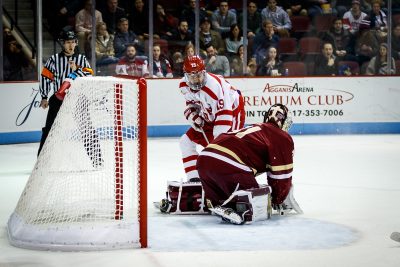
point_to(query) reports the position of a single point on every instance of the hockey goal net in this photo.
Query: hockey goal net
(87, 190)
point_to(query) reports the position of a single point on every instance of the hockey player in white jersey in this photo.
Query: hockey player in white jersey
(213, 106)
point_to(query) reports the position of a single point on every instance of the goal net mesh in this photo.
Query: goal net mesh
(84, 190)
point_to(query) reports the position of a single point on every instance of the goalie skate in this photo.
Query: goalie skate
(246, 206)
(395, 236)
(183, 198)
(228, 215)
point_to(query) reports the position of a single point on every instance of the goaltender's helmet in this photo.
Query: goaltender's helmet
(195, 72)
(280, 115)
(67, 35)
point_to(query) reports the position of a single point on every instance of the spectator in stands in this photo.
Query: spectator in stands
(237, 62)
(177, 65)
(111, 14)
(138, 20)
(264, 39)
(222, 19)
(252, 67)
(60, 13)
(180, 37)
(164, 23)
(378, 21)
(354, 17)
(396, 42)
(178, 58)
(210, 37)
(378, 17)
(340, 7)
(271, 65)
(105, 53)
(123, 37)
(161, 65)
(367, 45)
(132, 64)
(280, 19)
(6, 34)
(83, 23)
(314, 7)
(15, 62)
(188, 14)
(342, 40)
(378, 65)
(182, 33)
(189, 50)
(327, 62)
(234, 40)
(217, 64)
(366, 5)
(296, 8)
(253, 19)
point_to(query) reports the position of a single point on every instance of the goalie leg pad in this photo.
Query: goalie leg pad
(184, 198)
(249, 205)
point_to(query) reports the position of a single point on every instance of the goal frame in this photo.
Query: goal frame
(123, 232)
(142, 139)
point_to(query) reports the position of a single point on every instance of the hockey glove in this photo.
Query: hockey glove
(196, 121)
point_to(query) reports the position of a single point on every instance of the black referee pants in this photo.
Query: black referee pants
(54, 107)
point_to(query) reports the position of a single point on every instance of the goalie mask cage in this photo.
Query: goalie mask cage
(88, 188)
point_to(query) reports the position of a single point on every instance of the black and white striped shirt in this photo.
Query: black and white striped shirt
(57, 68)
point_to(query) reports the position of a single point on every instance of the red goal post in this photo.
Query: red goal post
(88, 188)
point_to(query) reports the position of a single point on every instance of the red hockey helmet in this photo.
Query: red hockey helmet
(195, 72)
(280, 115)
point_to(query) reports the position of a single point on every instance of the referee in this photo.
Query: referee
(66, 64)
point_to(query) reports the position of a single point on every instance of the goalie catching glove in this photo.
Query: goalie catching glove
(193, 116)
(62, 91)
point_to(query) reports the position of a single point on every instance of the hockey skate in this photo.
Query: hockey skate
(288, 205)
(228, 215)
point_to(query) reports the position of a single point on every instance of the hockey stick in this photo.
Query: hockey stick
(205, 136)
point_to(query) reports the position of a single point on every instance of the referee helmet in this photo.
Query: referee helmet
(67, 35)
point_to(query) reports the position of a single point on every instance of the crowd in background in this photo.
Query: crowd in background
(284, 37)
(16, 65)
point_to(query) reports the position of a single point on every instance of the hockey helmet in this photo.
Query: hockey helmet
(280, 115)
(195, 72)
(67, 35)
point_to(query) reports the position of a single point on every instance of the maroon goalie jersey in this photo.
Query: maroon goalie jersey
(259, 148)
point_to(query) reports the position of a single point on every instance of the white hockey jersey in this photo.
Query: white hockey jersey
(218, 101)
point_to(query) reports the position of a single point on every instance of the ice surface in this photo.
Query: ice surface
(348, 187)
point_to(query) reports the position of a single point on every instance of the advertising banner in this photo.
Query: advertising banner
(324, 100)
(318, 105)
